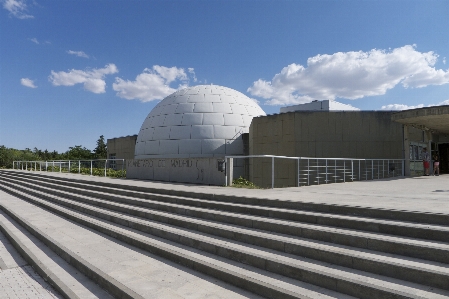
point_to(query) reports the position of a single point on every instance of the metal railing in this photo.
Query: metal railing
(306, 171)
(91, 167)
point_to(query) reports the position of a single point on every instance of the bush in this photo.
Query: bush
(86, 171)
(243, 183)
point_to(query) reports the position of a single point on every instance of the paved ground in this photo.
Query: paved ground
(425, 194)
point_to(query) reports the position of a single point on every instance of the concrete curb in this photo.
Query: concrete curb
(40, 268)
(114, 287)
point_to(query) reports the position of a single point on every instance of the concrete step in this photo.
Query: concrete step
(63, 277)
(435, 251)
(122, 187)
(183, 205)
(284, 263)
(255, 280)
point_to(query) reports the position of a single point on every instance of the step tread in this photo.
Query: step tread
(70, 279)
(121, 257)
(366, 220)
(328, 247)
(379, 282)
(300, 225)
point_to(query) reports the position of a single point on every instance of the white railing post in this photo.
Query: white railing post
(335, 171)
(91, 167)
(308, 172)
(388, 161)
(326, 171)
(60, 166)
(272, 172)
(298, 173)
(123, 165)
(79, 166)
(105, 163)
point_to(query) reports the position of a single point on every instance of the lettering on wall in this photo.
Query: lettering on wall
(181, 163)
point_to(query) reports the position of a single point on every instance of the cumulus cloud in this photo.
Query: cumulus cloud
(78, 53)
(406, 107)
(17, 8)
(93, 80)
(27, 82)
(152, 84)
(192, 72)
(351, 75)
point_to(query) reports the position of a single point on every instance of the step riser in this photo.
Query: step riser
(32, 260)
(412, 232)
(243, 282)
(410, 250)
(430, 218)
(351, 262)
(105, 281)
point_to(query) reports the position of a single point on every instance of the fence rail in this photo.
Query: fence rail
(306, 171)
(92, 167)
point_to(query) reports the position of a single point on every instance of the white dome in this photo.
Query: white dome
(203, 120)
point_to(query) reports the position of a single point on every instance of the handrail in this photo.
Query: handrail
(328, 170)
(45, 165)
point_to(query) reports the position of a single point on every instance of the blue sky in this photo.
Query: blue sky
(71, 71)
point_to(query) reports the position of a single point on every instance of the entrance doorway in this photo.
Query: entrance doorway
(443, 150)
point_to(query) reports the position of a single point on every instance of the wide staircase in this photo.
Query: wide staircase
(268, 248)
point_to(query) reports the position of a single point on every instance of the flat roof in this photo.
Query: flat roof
(434, 118)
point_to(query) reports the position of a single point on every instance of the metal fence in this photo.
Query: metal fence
(282, 171)
(91, 167)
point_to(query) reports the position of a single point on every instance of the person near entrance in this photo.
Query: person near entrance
(436, 164)
(426, 161)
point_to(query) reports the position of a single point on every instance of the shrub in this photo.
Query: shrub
(243, 183)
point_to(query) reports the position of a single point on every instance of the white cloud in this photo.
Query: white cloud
(406, 107)
(27, 82)
(351, 75)
(152, 84)
(192, 72)
(78, 53)
(17, 8)
(37, 42)
(93, 80)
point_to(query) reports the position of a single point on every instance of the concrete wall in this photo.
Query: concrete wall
(319, 105)
(347, 134)
(122, 147)
(184, 170)
(361, 134)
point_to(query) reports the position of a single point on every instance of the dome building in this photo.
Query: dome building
(199, 121)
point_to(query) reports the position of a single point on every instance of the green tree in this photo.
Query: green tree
(101, 151)
(77, 152)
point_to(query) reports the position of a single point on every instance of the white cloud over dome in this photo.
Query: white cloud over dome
(17, 8)
(407, 107)
(153, 84)
(351, 75)
(93, 80)
(27, 82)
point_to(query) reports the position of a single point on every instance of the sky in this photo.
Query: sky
(71, 71)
